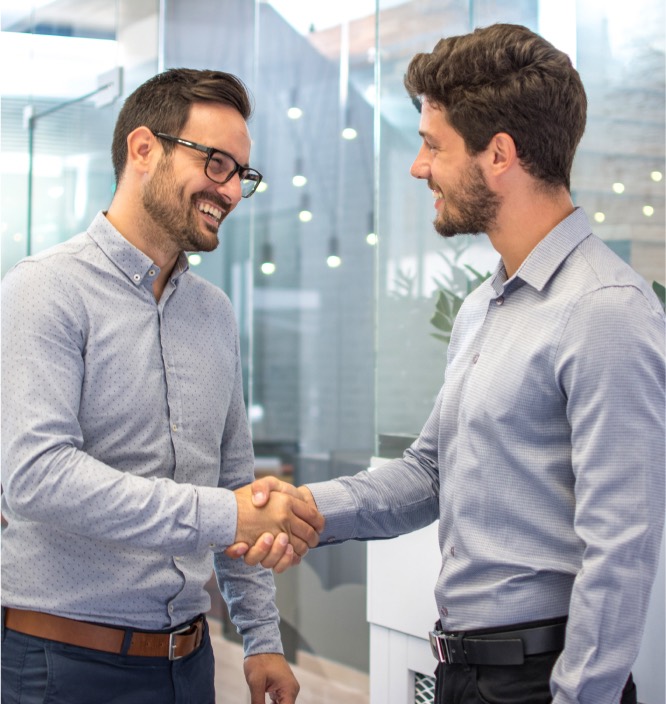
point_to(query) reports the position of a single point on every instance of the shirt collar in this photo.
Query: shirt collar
(545, 259)
(136, 265)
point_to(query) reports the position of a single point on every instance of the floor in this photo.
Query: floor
(322, 682)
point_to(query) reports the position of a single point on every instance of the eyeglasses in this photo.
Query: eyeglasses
(220, 167)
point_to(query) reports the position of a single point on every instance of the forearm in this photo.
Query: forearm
(249, 593)
(397, 498)
(81, 495)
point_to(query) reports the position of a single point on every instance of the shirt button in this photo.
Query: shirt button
(453, 551)
(499, 301)
(174, 427)
(137, 277)
(444, 611)
(170, 608)
(151, 272)
(475, 358)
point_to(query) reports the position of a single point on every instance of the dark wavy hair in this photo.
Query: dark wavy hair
(163, 104)
(506, 78)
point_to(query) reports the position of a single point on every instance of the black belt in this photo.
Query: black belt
(507, 647)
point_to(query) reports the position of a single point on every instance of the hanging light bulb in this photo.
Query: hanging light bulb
(294, 112)
(299, 180)
(305, 214)
(333, 260)
(371, 238)
(348, 131)
(267, 263)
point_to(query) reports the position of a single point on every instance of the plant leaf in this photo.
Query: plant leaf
(661, 293)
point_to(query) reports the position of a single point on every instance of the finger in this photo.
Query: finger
(257, 687)
(311, 517)
(261, 489)
(255, 676)
(302, 535)
(236, 550)
(268, 553)
(259, 550)
(280, 547)
(289, 559)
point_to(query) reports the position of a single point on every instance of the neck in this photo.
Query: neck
(139, 231)
(525, 219)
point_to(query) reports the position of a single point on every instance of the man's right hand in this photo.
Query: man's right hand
(273, 552)
(286, 513)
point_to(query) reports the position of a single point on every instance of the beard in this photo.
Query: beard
(470, 207)
(169, 209)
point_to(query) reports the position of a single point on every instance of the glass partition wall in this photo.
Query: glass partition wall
(66, 64)
(333, 268)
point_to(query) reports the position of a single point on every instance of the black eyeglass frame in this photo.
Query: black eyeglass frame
(245, 173)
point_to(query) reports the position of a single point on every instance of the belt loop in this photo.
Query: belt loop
(127, 641)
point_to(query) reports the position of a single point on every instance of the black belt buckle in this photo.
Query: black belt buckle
(447, 649)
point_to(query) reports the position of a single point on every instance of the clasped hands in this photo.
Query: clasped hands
(277, 524)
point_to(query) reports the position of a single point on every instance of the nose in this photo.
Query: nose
(230, 191)
(421, 166)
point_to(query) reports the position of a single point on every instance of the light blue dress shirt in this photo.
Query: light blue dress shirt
(123, 432)
(543, 459)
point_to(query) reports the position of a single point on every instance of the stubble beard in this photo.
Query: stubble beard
(177, 217)
(470, 207)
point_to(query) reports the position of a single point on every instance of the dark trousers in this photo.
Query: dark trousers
(38, 671)
(528, 683)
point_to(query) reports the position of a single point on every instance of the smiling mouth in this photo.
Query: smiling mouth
(211, 211)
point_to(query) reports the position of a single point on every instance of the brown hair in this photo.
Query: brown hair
(163, 105)
(506, 78)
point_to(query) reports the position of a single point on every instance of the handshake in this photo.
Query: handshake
(277, 524)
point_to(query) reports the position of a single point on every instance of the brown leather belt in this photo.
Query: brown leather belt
(174, 645)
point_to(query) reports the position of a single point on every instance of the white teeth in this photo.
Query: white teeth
(211, 210)
(436, 194)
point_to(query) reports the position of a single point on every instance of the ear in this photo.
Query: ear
(502, 154)
(143, 149)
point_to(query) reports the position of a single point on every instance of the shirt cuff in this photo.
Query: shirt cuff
(339, 509)
(218, 517)
(262, 639)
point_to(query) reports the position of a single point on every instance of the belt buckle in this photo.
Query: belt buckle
(172, 642)
(439, 645)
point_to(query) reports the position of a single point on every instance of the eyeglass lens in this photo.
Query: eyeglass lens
(221, 167)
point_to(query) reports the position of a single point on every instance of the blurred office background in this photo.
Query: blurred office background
(333, 267)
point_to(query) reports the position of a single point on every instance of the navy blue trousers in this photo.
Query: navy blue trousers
(38, 671)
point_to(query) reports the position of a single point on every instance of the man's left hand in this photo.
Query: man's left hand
(270, 673)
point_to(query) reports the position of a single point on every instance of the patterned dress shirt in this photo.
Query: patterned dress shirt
(543, 459)
(123, 432)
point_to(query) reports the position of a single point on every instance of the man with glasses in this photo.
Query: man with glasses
(126, 452)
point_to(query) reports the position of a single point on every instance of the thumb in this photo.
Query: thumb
(261, 489)
(257, 687)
